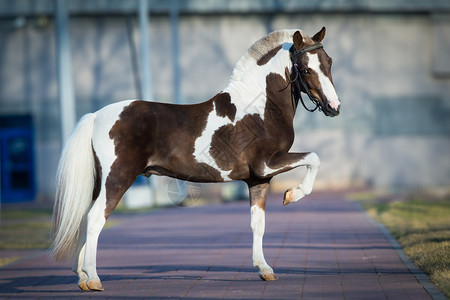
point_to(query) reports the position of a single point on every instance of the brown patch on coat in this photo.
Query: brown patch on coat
(258, 193)
(224, 107)
(98, 176)
(132, 146)
(231, 145)
(312, 80)
(268, 56)
(279, 113)
(278, 119)
(156, 138)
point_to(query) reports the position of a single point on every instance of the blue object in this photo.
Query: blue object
(17, 159)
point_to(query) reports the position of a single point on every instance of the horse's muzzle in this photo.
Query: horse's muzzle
(330, 111)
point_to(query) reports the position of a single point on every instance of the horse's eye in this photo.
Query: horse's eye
(304, 71)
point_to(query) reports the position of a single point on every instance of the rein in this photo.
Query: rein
(298, 78)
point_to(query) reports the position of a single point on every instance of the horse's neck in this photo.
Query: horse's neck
(249, 92)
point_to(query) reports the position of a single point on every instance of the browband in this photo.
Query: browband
(296, 54)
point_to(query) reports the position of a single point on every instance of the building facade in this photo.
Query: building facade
(391, 71)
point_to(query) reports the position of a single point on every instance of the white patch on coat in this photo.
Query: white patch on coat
(325, 82)
(258, 224)
(202, 144)
(267, 170)
(102, 143)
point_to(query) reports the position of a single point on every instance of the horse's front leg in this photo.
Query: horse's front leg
(283, 161)
(258, 195)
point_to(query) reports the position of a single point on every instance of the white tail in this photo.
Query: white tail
(74, 188)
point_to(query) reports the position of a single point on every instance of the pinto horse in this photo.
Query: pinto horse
(243, 133)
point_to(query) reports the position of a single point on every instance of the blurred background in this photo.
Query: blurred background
(62, 59)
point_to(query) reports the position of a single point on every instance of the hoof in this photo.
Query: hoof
(95, 285)
(268, 277)
(288, 196)
(292, 195)
(83, 286)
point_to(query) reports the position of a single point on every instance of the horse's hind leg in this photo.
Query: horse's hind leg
(79, 258)
(112, 190)
(258, 195)
(95, 222)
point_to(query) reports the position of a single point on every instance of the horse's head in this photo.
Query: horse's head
(312, 72)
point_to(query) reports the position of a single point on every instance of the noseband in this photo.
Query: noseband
(298, 78)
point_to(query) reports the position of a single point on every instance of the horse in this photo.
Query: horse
(243, 133)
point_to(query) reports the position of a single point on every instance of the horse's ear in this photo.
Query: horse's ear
(318, 37)
(298, 40)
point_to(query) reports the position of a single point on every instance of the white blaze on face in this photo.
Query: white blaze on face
(325, 82)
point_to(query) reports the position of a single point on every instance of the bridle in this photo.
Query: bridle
(298, 78)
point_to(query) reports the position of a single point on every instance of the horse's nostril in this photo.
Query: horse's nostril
(328, 107)
(339, 108)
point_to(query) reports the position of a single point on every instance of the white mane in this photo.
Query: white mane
(260, 48)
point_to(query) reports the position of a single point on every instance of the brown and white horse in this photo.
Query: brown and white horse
(243, 133)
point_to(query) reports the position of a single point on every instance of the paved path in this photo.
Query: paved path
(322, 247)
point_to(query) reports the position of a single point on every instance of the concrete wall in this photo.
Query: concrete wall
(391, 72)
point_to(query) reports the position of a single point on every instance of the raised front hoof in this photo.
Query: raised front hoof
(292, 195)
(83, 286)
(268, 277)
(95, 285)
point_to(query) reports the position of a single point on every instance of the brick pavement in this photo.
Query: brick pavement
(321, 247)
